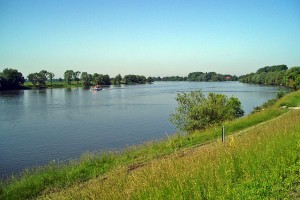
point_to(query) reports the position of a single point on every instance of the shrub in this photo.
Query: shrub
(280, 94)
(196, 112)
(264, 106)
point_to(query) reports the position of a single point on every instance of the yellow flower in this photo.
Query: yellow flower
(231, 141)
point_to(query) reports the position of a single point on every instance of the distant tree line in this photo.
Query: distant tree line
(100, 79)
(13, 79)
(136, 79)
(269, 75)
(200, 77)
(85, 79)
(171, 78)
(274, 75)
(210, 76)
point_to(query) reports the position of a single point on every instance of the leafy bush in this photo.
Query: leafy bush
(196, 112)
(280, 94)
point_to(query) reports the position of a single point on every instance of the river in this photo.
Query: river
(39, 126)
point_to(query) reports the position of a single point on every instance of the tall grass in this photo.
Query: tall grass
(33, 182)
(290, 100)
(263, 164)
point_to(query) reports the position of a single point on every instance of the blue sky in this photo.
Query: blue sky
(152, 38)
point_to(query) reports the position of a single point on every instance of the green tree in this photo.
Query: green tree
(68, 76)
(86, 79)
(76, 76)
(33, 78)
(105, 80)
(292, 77)
(134, 79)
(39, 79)
(50, 76)
(11, 79)
(150, 80)
(118, 79)
(42, 78)
(97, 78)
(196, 112)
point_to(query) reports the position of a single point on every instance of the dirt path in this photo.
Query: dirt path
(294, 108)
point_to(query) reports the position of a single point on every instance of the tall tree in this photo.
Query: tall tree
(118, 79)
(293, 77)
(42, 78)
(50, 76)
(97, 78)
(39, 78)
(150, 79)
(33, 78)
(86, 79)
(106, 80)
(68, 76)
(76, 76)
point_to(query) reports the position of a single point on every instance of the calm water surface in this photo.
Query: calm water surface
(38, 126)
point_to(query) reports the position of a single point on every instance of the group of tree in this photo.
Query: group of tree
(11, 79)
(39, 79)
(85, 78)
(196, 112)
(100, 79)
(136, 79)
(171, 78)
(200, 77)
(210, 76)
(274, 75)
(71, 75)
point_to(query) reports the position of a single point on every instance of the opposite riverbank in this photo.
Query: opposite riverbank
(101, 168)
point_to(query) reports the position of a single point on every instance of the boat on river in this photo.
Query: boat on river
(95, 88)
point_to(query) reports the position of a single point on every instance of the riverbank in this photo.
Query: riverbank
(56, 176)
(55, 84)
(261, 163)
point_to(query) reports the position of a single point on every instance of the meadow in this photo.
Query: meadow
(55, 84)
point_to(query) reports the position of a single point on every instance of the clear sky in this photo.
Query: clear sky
(151, 38)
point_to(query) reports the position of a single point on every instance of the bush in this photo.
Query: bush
(264, 106)
(196, 112)
(280, 94)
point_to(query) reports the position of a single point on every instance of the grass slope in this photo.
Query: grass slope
(262, 164)
(57, 176)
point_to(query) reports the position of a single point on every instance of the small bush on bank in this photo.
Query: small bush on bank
(196, 112)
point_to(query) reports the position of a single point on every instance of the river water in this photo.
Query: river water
(39, 126)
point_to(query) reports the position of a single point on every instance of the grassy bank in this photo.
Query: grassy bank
(262, 164)
(56, 176)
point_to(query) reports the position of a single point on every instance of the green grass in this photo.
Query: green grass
(55, 85)
(290, 100)
(55, 176)
(262, 164)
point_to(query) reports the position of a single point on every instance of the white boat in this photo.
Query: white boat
(95, 88)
